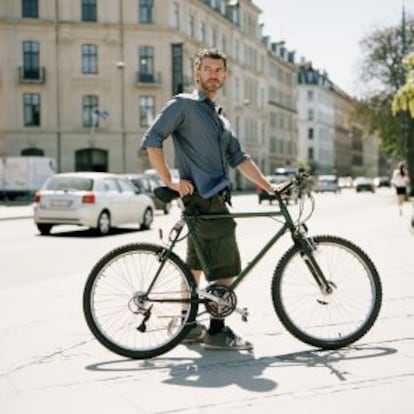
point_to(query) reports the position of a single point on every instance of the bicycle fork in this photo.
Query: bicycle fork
(308, 248)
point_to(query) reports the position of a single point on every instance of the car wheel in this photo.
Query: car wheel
(44, 228)
(167, 208)
(104, 223)
(147, 219)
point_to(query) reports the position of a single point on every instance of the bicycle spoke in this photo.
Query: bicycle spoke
(122, 316)
(334, 319)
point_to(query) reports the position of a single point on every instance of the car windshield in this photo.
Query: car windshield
(70, 183)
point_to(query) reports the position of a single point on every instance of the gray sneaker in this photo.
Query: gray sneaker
(226, 340)
(195, 335)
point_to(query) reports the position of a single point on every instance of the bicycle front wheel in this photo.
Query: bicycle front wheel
(131, 312)
(327, 320)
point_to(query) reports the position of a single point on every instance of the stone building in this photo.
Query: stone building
(81, 80)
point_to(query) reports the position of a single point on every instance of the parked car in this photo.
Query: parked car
(345, 182)
(382, 181)
(146, 184)
(326, 183)
(364, 184)
(97, 200)
(153, 172)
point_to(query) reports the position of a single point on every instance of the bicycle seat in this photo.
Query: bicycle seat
(166, 194)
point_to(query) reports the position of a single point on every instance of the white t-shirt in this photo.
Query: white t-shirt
(399, 180)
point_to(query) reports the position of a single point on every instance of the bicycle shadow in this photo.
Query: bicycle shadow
(217, 369)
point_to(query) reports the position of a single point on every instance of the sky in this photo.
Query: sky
(328, 32)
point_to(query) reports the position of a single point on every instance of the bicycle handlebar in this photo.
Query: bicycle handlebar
(167, 194)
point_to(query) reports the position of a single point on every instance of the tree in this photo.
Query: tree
(383, 73)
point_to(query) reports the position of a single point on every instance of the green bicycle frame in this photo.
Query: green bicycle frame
(287, 225)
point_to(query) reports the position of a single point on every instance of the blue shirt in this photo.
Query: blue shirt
(203, 141)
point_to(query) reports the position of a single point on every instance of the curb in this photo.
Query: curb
(15, 218)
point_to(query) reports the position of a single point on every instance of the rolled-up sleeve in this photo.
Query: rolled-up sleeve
(164, 124)
(234, 153)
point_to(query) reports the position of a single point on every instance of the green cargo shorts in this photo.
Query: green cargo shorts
(217, 238)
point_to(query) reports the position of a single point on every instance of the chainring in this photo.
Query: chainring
(226, 306)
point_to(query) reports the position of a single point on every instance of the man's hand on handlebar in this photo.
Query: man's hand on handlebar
(184, 187)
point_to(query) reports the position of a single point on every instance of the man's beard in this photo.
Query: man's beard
(208, 87)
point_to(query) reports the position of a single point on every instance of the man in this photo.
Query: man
(204, 148)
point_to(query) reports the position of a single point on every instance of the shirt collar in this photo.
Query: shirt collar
(201, 97)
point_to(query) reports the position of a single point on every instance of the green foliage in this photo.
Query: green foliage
(384, 73)
(376, 115)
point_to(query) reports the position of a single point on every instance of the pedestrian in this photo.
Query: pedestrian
(205, 147)
(400, 181)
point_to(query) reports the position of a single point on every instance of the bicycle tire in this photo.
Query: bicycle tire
(113, 311)
(327, 321)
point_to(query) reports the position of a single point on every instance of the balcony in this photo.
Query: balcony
(32, 75)
(148, 79)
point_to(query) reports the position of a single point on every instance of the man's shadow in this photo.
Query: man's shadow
(217, 369)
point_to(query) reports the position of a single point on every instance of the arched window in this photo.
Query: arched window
(91, 159)
(32, 151)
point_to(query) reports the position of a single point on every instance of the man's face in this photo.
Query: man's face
(210, 75)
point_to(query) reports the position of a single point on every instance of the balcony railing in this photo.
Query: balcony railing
(32, 75)
(148, 78)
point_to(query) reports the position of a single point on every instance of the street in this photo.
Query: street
(50, 362)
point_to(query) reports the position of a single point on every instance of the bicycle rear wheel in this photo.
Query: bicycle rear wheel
(337, 319)
(127, 320)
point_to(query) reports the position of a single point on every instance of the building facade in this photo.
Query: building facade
(316, 119)
(81, 80)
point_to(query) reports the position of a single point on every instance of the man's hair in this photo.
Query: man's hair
(211, 53)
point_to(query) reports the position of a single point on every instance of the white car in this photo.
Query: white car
(326, 183)
(93, 199)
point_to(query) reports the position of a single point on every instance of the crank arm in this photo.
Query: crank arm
(205, 295)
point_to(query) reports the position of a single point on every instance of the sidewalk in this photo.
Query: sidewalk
(15, 211)
(50, 362)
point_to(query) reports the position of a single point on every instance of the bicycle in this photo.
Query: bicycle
(140, 300)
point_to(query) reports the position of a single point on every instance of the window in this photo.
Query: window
(31, 69)
(146, 110)
(146, 64)
(175, 16)
(89, 10)
(203, 32)
(126, 186)
(89, 58)
(89, 104)
(224, 43)
(310, 154)
(31, 109)
(191, 26)
(146, 9)
(311, 115)
(112, 185)
(214, 37)
(310, 95)
(32, 151)
(91, 159)
(310, 133)
(30, 8)
(177, 71)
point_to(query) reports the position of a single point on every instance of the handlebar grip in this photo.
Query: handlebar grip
(166, 194)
